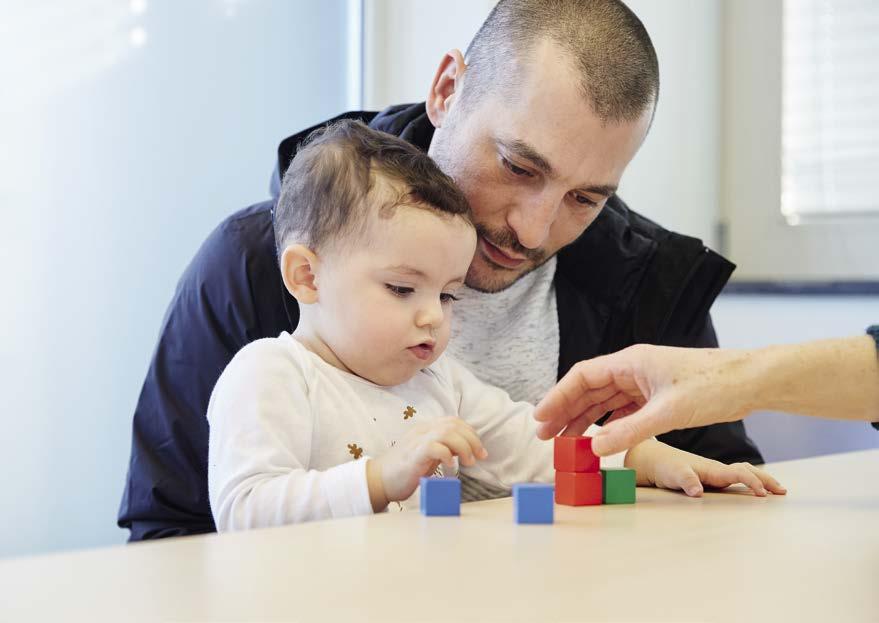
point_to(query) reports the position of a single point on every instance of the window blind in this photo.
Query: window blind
(830, 109)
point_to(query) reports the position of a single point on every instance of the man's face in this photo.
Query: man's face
(537, 166)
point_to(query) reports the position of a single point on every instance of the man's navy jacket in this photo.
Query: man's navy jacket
(624, 281)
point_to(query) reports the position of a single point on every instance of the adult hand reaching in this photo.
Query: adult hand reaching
(655, 389)
(664, 388)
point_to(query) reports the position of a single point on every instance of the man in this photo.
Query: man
(537, 126)
(654, 389)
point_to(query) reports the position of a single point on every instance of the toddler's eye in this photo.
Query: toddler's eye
(445, 297)
(400, 291)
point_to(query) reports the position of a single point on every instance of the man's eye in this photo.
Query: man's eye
(399, 290)
(516, 170)
(584, 200)
(445, 297)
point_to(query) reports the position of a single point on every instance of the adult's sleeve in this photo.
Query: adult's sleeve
(261, 428)
(210, 317)
(873, 331)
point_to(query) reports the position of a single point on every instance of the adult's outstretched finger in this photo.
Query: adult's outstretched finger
(587, 384)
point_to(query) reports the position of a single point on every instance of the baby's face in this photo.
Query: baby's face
(386, 306)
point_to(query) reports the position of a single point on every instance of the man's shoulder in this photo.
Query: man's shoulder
(235, 275)
(242, 240)
(655, 284)
(623, 237)
(249, 228)
(621, 249)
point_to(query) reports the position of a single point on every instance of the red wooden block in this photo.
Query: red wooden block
(578, 488)
(574, 454)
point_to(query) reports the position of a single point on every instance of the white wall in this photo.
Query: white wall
(128, 132)
(675, 178)
(404, 41)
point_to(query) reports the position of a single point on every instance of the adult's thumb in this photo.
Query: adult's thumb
(626, 432)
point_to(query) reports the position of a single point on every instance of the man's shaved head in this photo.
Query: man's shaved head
(607, 46)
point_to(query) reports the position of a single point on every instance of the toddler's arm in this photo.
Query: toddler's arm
(659, 464)
(260, 446)
(508, 431)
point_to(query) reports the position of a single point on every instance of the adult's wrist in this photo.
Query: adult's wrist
(766, 372)
(825, 378)
(739, 380)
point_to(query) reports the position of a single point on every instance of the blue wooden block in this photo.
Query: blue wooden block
(440, 497)
(533, 503)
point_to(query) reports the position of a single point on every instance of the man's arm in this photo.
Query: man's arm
(211, 316)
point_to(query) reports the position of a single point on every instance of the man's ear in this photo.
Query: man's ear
(445, 86)
(299, 266)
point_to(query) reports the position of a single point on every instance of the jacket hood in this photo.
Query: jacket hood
(408, 121)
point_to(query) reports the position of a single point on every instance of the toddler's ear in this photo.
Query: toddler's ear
(298, 267)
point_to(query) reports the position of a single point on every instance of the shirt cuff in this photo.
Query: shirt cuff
(873, 332)
(347, 490)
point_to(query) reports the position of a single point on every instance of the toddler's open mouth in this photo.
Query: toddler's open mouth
(423, 351)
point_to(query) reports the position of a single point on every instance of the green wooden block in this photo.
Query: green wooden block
(617, 485)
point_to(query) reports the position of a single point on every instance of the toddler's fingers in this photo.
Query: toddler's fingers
(460, 447)
(436, 451)
(768, 481)
(687, 480)
(740, 473)
(456, 428)
(476, 447)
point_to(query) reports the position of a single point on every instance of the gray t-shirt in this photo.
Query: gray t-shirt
(510, 339)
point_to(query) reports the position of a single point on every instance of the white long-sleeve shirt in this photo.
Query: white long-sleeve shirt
(290, 433)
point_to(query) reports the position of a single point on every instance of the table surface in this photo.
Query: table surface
(812, 555)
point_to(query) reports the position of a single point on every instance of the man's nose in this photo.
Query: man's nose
(532, 219)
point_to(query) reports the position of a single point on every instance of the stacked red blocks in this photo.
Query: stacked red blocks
(578, 474)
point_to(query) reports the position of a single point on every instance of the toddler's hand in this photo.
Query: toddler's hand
(659, 464)
(395, 474)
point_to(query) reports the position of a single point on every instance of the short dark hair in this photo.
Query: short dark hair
(605, 41)
(334, 179)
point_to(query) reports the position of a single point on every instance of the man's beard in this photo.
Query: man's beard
(497, 278)
(501, 278)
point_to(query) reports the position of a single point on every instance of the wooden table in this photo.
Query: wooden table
(810, 556)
